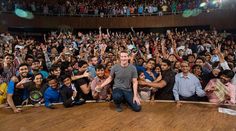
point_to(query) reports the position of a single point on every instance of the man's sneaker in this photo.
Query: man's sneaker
(80, 101)
(119, 108)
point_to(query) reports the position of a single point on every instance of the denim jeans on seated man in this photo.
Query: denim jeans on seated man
(120, 95)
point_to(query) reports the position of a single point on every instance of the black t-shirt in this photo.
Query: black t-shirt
(20, 95)
(166, 93)
(78, 83)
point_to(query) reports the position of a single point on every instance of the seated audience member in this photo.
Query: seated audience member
(69, 93)
(16, 95)
(52, 95)
(82, 84)
(222, 90)
(145, 93)
(105, 92)
(35, 68)
(204, 65)
(165, 85)
(56, 71)
(36, 89)
(187, 86)
(3, 91)
(148, 71)
(198, 72)
(3, 84)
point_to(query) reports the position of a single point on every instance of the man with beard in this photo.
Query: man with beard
(82, 82)
(165, 85)
(35, 69)
(15, 94)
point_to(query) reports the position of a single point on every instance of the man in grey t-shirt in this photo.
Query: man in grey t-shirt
(124, 75)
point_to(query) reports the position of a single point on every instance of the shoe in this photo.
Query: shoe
(119, 108)
(80, 101)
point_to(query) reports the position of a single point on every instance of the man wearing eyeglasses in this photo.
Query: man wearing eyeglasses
(187, 86)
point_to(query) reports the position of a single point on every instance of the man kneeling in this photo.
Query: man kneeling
(123, 74)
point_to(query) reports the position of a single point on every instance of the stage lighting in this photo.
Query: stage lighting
(203, 4)
(196, 12)
(214, 2)
(24, 14)
(187, 13)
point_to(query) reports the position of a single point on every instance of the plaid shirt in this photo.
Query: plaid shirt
(221, 92)
(8, 73)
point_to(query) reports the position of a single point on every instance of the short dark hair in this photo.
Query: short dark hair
(22, 64)
(195, 66)
(99, 67)
(167, 62)
(191, 55)
(200, 58)
(8, 54)
(63, 77)
(37, 75)
(36, 60)
(151, 59)
(54, 67)
(227, 73)
(124, 51)
(51, 77)
(91, 57)
(82, 62)
(29, 56)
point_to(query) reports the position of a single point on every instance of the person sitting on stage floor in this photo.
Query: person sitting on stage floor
(187, 86)
(124, 74)
(3, 84)
(82, 84)
(55, 71)
(36, 89)
(52, 95)
(3, 91)
(105, 93)
(16, 95)
(146, 93)
(69, 93)
(226, 92)
(165, 85)
(35, 69)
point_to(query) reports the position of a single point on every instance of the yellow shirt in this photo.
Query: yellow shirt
(3, 92)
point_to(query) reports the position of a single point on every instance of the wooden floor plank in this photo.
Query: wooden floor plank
(102, 116)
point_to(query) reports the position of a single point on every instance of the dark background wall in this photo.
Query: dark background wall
(220, 19)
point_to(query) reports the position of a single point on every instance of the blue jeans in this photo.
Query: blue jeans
(119, 95)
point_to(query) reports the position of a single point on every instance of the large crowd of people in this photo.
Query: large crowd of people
(123, 67)
(107, 7)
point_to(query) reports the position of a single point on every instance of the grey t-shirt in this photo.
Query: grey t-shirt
(123, 76)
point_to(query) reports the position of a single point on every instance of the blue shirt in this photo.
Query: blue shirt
(140, 9)
(92, 71)
(187, 86)
(147, 76)
(51, 96)
(10, 87)
(214, 58)
(11, 90)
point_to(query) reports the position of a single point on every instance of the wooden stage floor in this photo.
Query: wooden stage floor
(102, 116)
